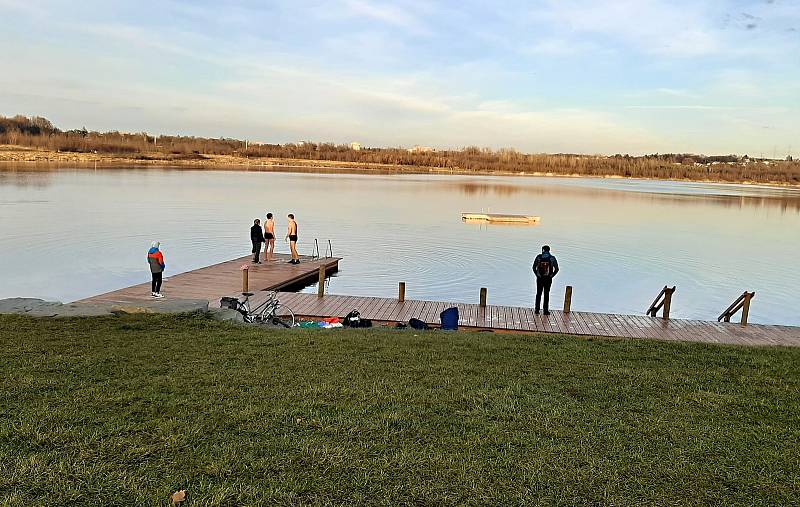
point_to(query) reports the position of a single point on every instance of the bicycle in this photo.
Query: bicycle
(271, 311)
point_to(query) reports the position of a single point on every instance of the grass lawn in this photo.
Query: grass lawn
(127, 410)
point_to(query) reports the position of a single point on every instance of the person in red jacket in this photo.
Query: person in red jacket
(156, 260)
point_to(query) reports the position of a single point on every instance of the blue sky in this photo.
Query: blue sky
(549, 76)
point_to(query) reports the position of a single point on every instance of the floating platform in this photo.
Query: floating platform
(523, 319)
(501, 218)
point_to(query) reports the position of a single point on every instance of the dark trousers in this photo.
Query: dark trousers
(256, 250)
(156, 285)
(543, 286)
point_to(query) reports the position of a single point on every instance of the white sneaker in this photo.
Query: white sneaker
(159, 295)
(152, 294)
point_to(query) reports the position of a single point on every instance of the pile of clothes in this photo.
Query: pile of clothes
(329, 323)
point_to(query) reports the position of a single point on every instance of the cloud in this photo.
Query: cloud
(386, 13)
(571, 76)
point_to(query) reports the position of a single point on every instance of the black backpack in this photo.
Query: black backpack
(418, 324)
(352, 319)
(544, 268)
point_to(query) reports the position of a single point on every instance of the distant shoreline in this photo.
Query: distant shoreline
(11, 156)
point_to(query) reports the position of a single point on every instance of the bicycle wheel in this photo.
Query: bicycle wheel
(283, 316)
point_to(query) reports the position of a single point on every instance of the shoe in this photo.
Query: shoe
(547, 312)
(297, 261)
(536, 312)
(158, 295)
(152, 294)
(290, 262)
(258, 262)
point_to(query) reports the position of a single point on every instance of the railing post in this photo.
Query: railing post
(245, 271)
(567, 299)
(667, 302)
(321, 287)
(483, 297)
(401, 292)
(746, 307)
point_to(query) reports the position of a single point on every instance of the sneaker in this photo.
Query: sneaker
(297, 261)
(536, 312)
(158, 295)
(547, 312)
(152, 294)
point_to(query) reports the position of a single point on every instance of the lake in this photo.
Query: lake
(72, 233)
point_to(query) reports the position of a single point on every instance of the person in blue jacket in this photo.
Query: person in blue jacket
(545, 267)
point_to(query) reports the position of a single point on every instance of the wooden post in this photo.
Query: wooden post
(483, 297)
(401, 292)
(567, 299)
(321, 287)
(667, 302)
(746, 307)
(244, 279)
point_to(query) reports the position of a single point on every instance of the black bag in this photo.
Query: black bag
(352, 319)
(543, 269)
(233, 304)
(417, 324)
(229, 302)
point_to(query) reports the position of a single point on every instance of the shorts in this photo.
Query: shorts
(293, 237)
(268, 236)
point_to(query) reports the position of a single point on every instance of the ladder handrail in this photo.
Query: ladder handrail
(315, 252)
(739, 304)
(663, 300)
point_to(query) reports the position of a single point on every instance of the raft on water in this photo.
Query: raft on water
(500, 218)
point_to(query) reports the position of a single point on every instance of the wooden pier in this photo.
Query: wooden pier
(225, 279)
(211, 283)
(523, 319)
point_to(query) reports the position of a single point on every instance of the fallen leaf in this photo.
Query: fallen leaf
(178, 497)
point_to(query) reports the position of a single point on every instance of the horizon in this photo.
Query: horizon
(577, 77)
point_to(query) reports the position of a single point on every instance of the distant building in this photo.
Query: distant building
(355, 146)
(789, 158)
(420, 149)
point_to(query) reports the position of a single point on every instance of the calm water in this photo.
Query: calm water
(72, 233)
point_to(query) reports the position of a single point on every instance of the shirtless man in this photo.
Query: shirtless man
(291, 236)
(269, 238)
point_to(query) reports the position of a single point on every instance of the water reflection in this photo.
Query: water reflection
(72, 233)
(784, 199)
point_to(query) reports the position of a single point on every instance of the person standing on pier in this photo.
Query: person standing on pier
(156, 260)
(545, 267)
(291, 236)
(257, 237)
(269, 238)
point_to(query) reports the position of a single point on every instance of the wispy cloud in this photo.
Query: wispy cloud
(386, 13)
(570, 75)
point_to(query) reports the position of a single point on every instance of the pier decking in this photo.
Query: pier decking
(225, 279)
(522, 319)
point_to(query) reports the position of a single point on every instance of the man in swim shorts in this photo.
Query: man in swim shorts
(291, 236)
(269, 238)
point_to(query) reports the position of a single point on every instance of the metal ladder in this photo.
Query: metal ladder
(315, 254)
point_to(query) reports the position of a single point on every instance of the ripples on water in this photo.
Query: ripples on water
(73, 233)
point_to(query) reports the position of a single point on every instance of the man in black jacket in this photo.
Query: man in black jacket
(545, 267)
(257, 237)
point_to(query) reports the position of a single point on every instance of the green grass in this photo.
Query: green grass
(124, 411)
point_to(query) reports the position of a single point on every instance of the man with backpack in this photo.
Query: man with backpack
(545, 267)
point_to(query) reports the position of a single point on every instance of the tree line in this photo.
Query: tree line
(38, 132)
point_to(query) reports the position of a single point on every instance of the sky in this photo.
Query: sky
(576, 76)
